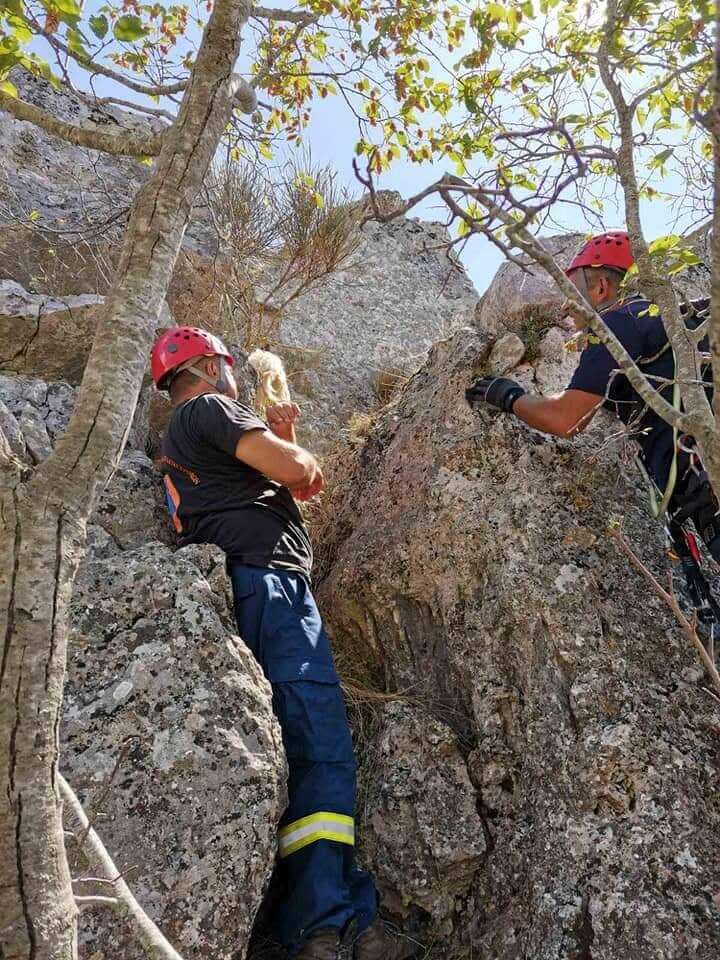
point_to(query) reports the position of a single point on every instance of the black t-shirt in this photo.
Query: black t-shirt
(644, 338)
(213, 497)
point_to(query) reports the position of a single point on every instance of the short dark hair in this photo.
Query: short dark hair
(607, 273)
(182, 382)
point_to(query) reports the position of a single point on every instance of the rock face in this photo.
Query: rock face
(346, 341)
(373, 320)
(49, 338)
(68, 187)
(467, 562)
(34, 413)
(516, 297)
(169, 738)
(132, 508)
(421, 858)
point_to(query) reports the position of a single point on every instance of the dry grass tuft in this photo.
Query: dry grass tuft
(388, 382)
(282, 236)
(534, 322)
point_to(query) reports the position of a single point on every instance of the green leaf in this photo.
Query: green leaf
(128, 28)
(496, 11)
(33, 216)
(9, 88)
(75, 41)
(99, 25)
(43, 69)
(663, 244)
(19, 29)
(661, 158)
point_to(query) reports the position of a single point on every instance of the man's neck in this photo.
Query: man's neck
(191, 394)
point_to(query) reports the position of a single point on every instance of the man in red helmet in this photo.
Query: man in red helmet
(681, 485)
(233, 479)
(598, 271)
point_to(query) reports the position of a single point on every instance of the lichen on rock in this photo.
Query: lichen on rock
(170, 740)
(466, 557)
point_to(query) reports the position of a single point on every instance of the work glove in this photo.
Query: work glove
(499, 392)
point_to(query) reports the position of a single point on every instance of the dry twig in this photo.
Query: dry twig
(155, 945)
(670, 599)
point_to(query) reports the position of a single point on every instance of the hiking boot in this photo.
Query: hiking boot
(379, 943)
(323, 945)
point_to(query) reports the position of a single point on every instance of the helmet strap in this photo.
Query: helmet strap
(582, 287)
(222, 383)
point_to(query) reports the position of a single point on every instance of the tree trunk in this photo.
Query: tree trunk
(43, 517)
(714, 129)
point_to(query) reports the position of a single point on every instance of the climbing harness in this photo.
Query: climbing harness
(684, 548)
(694, 313)
(688, 496)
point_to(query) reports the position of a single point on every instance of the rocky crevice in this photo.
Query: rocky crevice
(557, 647)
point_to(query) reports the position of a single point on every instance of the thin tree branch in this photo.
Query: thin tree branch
(669, 598)
(304, 18)
(100, 69)
(520, 236)
(661, 84)
(105, 790)
(154, 943)
(130, 105)
(119, 145)
(98, 901)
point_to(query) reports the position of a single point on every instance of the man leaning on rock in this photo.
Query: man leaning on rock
(232, 479)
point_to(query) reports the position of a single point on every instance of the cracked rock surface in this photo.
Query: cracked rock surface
(467, 565)
(421, 858)
(161, 693)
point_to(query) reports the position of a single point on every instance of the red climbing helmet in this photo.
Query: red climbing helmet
(610, 249)
(180, 344)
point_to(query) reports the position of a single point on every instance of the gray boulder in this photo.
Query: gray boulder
(50, 337)
(170, 741)
(518, 299)
(466, 560)
(132, 507)
(131, 510)
(422, 859)
(371, 321)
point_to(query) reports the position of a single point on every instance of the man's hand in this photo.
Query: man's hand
(281, 418)
(499, 392)
(311, 489)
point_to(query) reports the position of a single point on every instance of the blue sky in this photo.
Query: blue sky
(331, 139)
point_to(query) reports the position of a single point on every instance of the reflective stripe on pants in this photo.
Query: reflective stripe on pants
(318, 826)
(279, 621)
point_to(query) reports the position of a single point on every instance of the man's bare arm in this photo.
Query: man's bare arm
(563, 416)
(278, 459)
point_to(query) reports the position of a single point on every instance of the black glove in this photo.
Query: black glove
(499, 392)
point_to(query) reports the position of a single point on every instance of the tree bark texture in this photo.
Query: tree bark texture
(714, 126)
(43, 517)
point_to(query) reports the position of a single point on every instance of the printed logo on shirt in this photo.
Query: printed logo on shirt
(172, 501)
(190, 474)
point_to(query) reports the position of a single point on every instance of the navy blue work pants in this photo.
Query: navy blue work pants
(279, 621)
